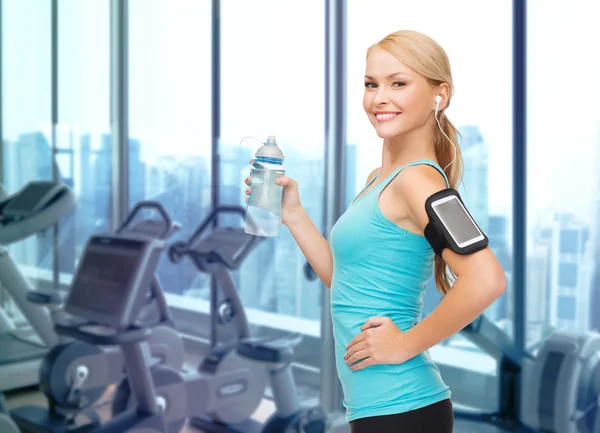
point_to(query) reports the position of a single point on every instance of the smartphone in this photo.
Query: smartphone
(457, 220)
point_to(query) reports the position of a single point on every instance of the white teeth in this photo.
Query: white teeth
(385, 116)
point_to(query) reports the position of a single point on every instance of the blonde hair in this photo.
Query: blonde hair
(428, 59)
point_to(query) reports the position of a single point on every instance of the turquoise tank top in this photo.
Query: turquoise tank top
(381, 269)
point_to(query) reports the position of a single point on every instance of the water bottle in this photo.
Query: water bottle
(263, 214)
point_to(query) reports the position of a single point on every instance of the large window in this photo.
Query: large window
(170, 118)
(272, 83)
(480, 66)
(563, 166)
(82, 136)
(83, 141)
(26, 112)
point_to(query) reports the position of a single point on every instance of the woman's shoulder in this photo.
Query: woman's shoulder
(413, 186)
(372, 175)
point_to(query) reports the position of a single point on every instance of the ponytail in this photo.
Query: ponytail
(444, 152)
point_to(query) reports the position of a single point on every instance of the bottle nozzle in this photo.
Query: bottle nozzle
(271, 139)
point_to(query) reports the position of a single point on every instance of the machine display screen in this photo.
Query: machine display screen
(104, 279)
(31, 198)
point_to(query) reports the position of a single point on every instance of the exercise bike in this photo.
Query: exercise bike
(74, 375)
(108, 305)
(259, 361)
(162, 398)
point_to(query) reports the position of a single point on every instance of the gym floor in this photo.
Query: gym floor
(32, 396)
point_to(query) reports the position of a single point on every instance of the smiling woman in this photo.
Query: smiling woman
(378, 261)
(405, 91)
(478, 41)
(398, 101)
(390, 382)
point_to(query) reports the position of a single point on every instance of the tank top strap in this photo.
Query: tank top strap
(359, 196)
(395, 173)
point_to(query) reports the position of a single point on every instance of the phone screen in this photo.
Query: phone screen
(457, 221)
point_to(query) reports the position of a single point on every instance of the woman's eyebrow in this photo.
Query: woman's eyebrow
(389, 76)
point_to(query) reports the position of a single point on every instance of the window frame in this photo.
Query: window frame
(188, 319)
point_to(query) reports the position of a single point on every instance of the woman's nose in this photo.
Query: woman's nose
(381, 97)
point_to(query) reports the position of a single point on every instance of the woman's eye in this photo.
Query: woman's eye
(370, 85)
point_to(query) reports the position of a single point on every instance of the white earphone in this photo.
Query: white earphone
(438, 100)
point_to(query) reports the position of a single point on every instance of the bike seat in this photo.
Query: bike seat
(267, 349)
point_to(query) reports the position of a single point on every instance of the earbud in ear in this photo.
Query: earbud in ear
(438, 99)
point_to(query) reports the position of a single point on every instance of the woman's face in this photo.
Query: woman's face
(397, 100)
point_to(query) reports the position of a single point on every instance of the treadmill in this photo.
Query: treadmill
(36, 207)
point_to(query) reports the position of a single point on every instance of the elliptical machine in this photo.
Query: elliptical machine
(237, 374)
(32, 210)
(75, 374)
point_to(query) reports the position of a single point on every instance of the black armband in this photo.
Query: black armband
(451, 225)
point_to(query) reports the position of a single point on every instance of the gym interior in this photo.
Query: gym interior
(124, 128)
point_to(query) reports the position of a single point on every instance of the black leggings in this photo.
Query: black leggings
(435, 418)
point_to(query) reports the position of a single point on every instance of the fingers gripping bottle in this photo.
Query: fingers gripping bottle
(263, 214)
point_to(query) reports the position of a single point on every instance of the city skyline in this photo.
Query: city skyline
(265, 91)
(273, 83)
(183, 182)
(150, 154)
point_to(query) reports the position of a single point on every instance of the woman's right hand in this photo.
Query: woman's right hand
(290, 204)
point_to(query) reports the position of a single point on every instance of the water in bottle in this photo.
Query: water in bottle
(263, 214)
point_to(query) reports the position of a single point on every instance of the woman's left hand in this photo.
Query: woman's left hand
(380, 342)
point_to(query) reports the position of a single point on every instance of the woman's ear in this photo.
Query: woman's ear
(444, 92)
